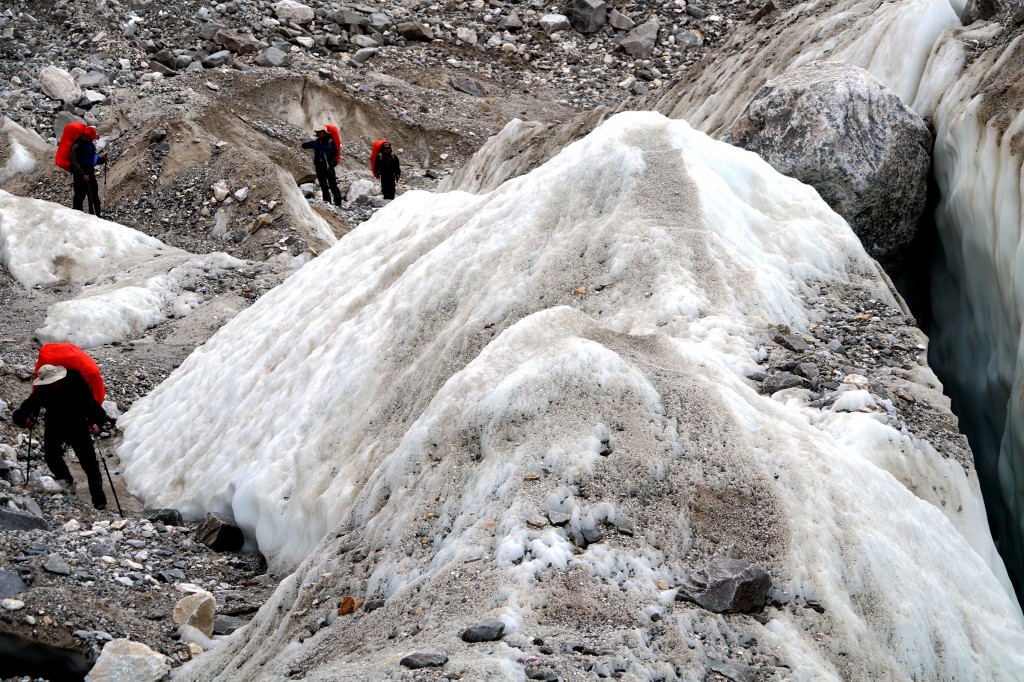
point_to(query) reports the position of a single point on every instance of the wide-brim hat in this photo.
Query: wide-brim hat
(49, 374)
(322, 129)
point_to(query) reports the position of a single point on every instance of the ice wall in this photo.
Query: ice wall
(978, 285)
(402, 409)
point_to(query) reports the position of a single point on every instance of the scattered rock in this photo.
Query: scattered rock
(640, 41)
(272, 57)
(168, 517)
(727, 586)
(220, 533)
(294, 12)
(468, 86)
(587, 16)
(18, 520)
(779, 381)
(55, 564)
(225, 625)
(424, 660)
(10, 584)
(198, 610)
(485, 632)
(414, 30)
(123, 660)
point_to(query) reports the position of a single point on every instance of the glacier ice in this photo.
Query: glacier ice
(386, 421)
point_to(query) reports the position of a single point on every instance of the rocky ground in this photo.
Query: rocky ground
(195, 93)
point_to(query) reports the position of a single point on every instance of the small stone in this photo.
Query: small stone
(484, 632)
(414, 30)
(537, 521)
(55, 564)
(468, 86)
(271, 57)
(294, 12)
(12, 604)
(793, 342)
(10, 584)
(220, 190)
(241, 194)
(553, 23)
(348, 605)
(424, 660)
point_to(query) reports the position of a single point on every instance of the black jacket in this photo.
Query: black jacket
(387, 166)
(69, 404)
(324, 151)
(84, 157)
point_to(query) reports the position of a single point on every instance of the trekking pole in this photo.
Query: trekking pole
(99, 453)
(28, 455)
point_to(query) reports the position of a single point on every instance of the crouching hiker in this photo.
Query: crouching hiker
(72, 417)
(325, 158)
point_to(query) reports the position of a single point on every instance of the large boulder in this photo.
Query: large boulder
(727, 586)
(58, 84)
(837, 128)
(123, 660)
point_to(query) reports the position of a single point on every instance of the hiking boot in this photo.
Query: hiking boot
(69, 486)
(100, 505)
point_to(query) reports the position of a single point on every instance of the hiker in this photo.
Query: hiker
(83, 170)
(72, 417)
(386, 167)
(325, 157)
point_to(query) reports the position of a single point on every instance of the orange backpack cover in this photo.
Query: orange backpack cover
(72, 132)
(373, 156)
(70, 356)
(336, 134)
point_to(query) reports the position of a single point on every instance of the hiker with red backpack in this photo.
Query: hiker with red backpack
(384, 164)
(83, 171)
(326, 154)
(73, 416)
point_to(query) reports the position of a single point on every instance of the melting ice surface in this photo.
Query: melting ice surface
(128, 281)
(459, 363)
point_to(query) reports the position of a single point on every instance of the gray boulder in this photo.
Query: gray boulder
(272, 57)
(837, 128)
(484, 632)
(363, 55)
(217, 59)
(727, 586)
(219, 532)
(641, 40)
(587, 16)
(620, 21)
(239, 43)
(468, 85)
(17, 520)
(552, 23)
(511, 23)
(414, 30)
(295, 12)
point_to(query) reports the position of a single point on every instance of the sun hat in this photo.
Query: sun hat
(49, 374)
(322, 129)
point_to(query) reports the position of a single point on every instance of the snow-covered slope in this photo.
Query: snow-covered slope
(127, 282)
(576, 341)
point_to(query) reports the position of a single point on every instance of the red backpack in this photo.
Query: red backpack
(336, 134)
(70, 356)
(373, 156)
(72, 132)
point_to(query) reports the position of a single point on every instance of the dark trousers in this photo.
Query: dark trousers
(81, 442)
(387, 185)
(329, 181)
(86, 189)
